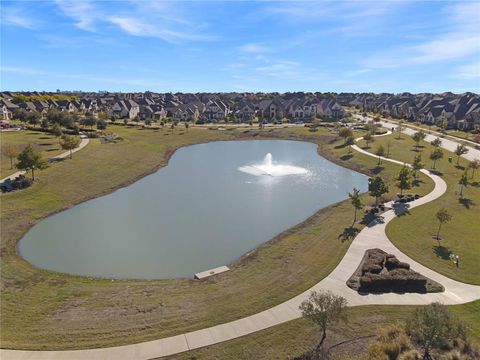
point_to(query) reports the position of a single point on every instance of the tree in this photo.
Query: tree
(11, 151)
(57, 130)
(417, 137)
(389, 145)
(474, 165)
(68, 142)
(20, 114)
(88, 121)
(403, 179)
(463, 182)
(324, 309)
(187, 125)
(368, 138)
(33, 118)
(459, 151)
(399, 129)
(380, 152)
(356, 202)
(437, 142)
(345, 132)
(30, 159)
(433, 326)
(349, 141)
(377, 188)
(101, 124)
(443, 216)
(417, 165)
(435, 155)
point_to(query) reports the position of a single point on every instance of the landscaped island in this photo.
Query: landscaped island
(380, 272)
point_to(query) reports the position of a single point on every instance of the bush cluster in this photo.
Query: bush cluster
(381, 272)
(20, 182)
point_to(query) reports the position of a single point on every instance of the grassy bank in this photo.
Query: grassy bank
(413, 233)
(294, 338)
(45, 310)
(47, 144)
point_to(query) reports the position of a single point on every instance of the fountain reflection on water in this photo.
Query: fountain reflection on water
(267, 167)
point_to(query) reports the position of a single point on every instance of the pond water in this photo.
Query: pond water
(213, 203)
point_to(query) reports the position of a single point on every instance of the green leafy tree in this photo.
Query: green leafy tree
(436, 155)
(101, 124)
(68, 142)
(459, 151)
(324, 309)
(403, 179)
(437, 142)
(20, 114)
(434, 326)
(356, 202)
(56, 130)
(417, 137)
(377, 187)
(368, 138)
(349, 141)
(443, 216)
(417, 165)
(380, 152)
(187, 125)
(463, 182)
(88, 121)
(345, 132)
(30, 159)
(474, 165)
(11, 151)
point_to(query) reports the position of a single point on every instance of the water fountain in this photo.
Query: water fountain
(268, 168)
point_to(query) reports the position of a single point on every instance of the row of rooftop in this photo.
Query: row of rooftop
(459, 110)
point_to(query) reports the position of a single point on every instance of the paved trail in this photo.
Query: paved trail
(62, 156)
(372, 236)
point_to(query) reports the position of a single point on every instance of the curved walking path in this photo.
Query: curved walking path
(59, 157)
(372, 236)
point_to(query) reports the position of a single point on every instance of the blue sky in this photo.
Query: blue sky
(190, 46)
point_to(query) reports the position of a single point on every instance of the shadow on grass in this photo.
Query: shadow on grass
(460, 167)
(442, 252)
(45, 138)
(377, 169)
(436, 172)
(417, 182)
(51, 150)
(348, 233)
(466, 202)
(46, 144)
(475, 183)
(401, 209)
(346, 157)
(341, 146)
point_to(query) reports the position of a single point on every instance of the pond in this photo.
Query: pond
(212, 204)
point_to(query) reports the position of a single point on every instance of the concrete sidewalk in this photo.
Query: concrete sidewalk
(372, 236)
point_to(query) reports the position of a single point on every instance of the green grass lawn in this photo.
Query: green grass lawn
(294, 338)
(47, 144)
(46, 310)
(413, 233)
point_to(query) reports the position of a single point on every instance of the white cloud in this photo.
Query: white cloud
(136, 27)
(16, 17)
(21, 71)
(141, 18)
(254, 48)
(468, 72)
(84, 13)
(459, 39)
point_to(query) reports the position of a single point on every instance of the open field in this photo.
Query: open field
(94, 313)
(47, 144)
(413, 233)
